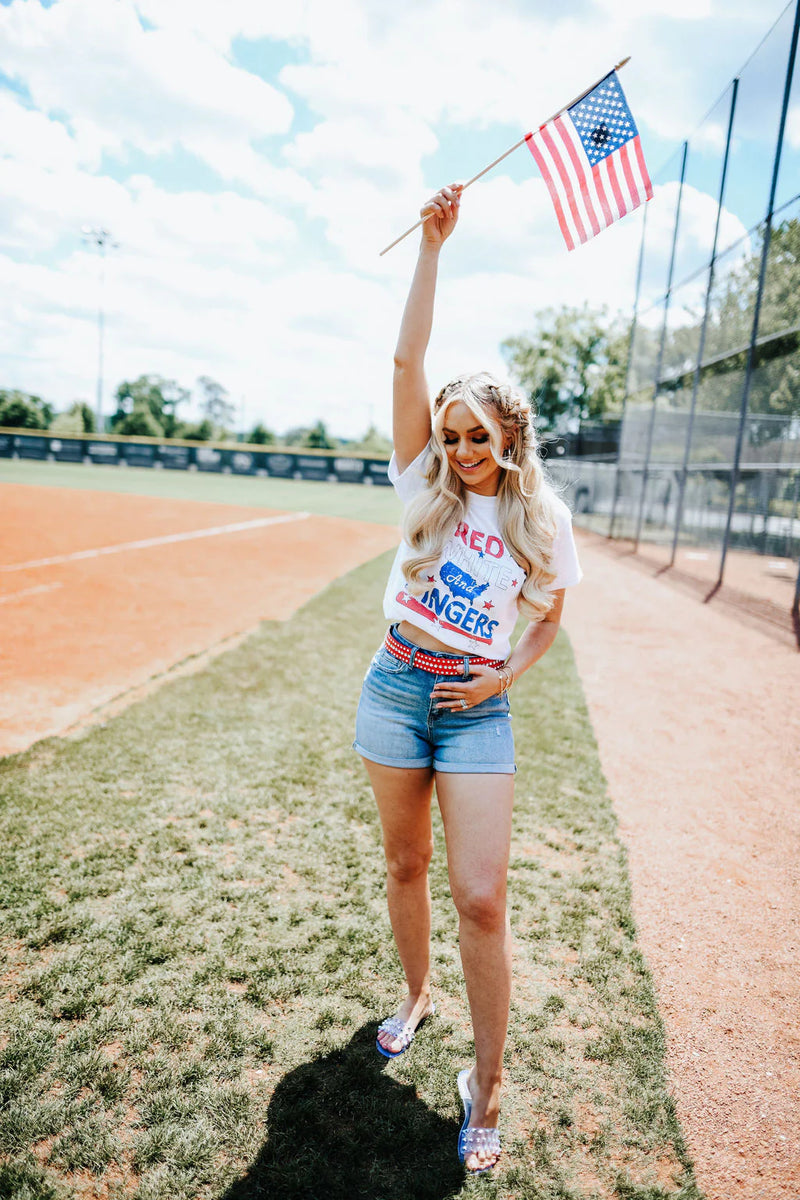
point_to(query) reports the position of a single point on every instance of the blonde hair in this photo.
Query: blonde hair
(526, 499)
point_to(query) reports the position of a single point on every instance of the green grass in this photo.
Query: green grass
(196, 953)
(356, 501)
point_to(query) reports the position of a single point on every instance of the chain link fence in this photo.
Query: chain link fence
(707, 481)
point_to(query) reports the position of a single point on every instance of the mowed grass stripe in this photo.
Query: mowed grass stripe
(354, 501)
(197, 953)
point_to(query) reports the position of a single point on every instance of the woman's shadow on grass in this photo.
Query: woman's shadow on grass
(339, 1127)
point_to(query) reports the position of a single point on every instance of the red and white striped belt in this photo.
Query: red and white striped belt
(433, 663)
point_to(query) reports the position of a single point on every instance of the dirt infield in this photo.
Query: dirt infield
(760, 585)
(698, 724)
(102, 591)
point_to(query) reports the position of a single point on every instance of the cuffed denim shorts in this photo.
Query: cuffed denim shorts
(398, 725)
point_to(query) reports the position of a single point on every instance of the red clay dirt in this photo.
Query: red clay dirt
(78, 633)
(698, 724)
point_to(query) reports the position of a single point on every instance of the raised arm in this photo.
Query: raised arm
(412, 406)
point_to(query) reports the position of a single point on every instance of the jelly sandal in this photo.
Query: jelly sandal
(399, 1031)
(473, 1138)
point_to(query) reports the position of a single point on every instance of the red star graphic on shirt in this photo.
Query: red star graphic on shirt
(513, 582)
(488, 605)
(431, 579)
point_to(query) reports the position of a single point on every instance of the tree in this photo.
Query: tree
(139, 423)
(151, 394)
(78, 418)
(261, 436)
(215, 403)
(572, 366)
(774, 397)
(21, 410)
(318, 438)
(373, 442)
(202, 431)
(315, 437)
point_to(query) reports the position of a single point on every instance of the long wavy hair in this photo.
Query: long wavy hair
(526, 499)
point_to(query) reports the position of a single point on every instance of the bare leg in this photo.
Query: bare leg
(476, 810)
(403, 797)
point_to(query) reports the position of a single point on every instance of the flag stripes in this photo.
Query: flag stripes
(586, 198)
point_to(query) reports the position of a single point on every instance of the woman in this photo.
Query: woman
(485, 538)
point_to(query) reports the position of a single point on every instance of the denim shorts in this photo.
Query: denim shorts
(397, 724)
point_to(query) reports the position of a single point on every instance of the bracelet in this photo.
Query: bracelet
(506, 674)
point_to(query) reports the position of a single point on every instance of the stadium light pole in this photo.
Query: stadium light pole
(103, 240)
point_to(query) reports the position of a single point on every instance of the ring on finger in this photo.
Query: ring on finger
(464, 703)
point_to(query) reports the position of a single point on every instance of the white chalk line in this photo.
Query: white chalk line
(34, 591)
(165, 540)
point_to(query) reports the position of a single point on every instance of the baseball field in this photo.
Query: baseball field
(195, 947)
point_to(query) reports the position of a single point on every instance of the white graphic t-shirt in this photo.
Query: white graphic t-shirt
(470, 602)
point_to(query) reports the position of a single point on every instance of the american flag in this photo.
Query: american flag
(592, 162)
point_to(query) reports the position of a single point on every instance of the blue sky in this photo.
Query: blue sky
(251, 159)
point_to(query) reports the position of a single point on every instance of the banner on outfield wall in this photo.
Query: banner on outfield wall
(208, 458)
(176, 458)
(33, 447)
(103, 452)
(311, 467)
(280, 465)
(349, 470)
(377, 471)
(66, 451)
(137, 454)
(243, 462)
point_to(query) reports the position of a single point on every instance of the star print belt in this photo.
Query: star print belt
(415, 657)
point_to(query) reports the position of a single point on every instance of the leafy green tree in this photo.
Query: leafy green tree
(775, 387)
(139, 423)
(152, 394)
(21, 410)
(78, 418)
(318, 438)
(315, 437)
(373, 442)
(201, 431)
(261, 436)
(572, 366)
(774, 397)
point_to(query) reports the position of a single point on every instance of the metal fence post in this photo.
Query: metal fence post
(661, 346)
(702, 346)
(628, 369)
(748, 378)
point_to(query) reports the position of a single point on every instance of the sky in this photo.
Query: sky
(251, 159)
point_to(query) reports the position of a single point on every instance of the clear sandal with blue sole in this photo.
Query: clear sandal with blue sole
(474, 1139)
(399, 1031)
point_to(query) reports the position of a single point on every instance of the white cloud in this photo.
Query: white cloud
(273, 284)
(121, 85)
(31, 137)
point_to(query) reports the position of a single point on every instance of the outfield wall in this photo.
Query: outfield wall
(175, 455)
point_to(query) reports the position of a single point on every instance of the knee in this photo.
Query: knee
(407, 863)
(484, 906)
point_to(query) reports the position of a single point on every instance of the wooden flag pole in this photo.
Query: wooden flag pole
(511, 150)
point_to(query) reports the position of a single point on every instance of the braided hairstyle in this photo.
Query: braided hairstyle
(526, 498)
